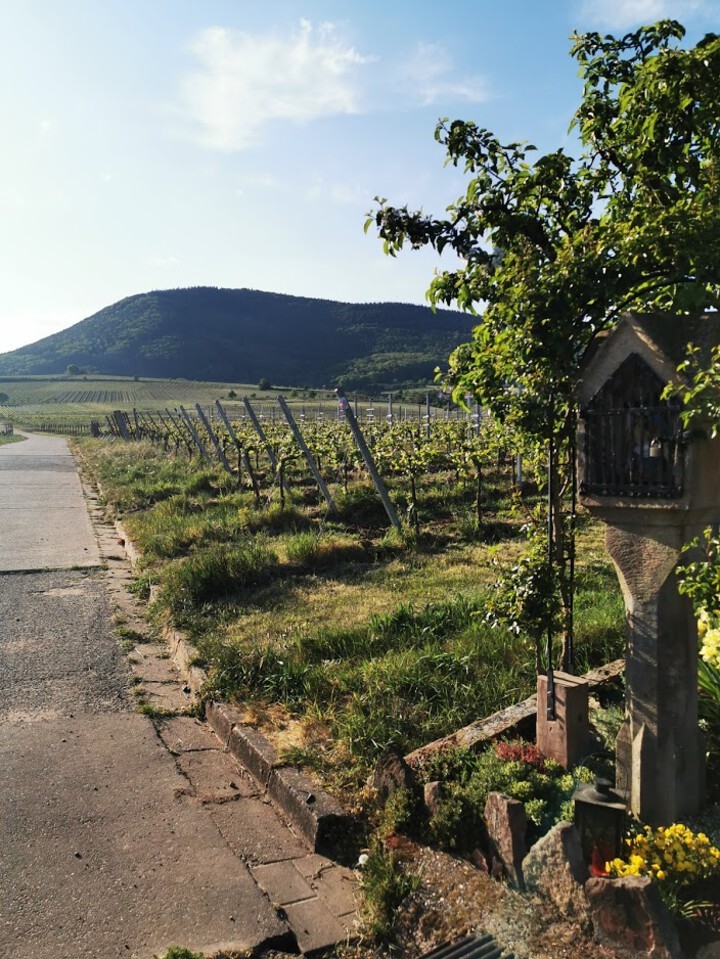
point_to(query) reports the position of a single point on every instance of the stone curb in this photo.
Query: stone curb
(318, 818)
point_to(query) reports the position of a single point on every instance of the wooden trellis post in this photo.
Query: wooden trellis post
(310, 459)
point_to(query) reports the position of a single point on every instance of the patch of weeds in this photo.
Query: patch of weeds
(304, 549)
(160, 712)
(214, 573)
(275, 519)
(361, 506)
(403, 814)
(385, 884)
(130, 636)
(313, 550)
(599, 618)
(140, 586)
(180, 952)
(607, 722)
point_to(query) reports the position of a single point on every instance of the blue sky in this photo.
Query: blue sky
(150, 144)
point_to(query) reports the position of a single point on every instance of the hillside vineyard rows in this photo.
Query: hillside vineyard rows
(357, 628)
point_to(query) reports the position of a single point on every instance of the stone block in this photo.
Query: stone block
(506, 825)
(315, 814)
(629, 916)
(565, 738)
(253, 751)
(555, 868)
(391, 773)
(433, 794)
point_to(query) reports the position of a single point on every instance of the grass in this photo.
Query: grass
(13, 438)
(338, 636)
(385, 884)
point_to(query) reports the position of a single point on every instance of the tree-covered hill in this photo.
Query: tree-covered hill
(239, 336)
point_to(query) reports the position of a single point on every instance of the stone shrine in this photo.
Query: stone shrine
(657, 486)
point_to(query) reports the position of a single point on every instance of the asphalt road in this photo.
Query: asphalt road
(104, 852)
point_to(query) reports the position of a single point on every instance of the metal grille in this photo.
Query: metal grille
(633, 439)
(469, 947)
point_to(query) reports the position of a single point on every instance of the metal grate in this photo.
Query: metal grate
(469, 947)
(633, 438)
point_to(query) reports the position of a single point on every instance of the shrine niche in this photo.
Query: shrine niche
(633, 438)
(656, 486)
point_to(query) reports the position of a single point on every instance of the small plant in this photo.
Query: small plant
(674, 857)
(385, 885)
(525, 597)
(179, 952)
(304, 549)
(520, 751)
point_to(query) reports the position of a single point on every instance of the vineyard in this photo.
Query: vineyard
(59, 400)
(337, 572)
(63, 404)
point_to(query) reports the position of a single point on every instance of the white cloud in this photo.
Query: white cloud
(341, 194)
(622, 14)
(248, 80)
(429, 74)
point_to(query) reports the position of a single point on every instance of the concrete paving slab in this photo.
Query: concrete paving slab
(102, 856)
(21, 479)
(336, 886)
(165, 697)
(153, 668)
(215, 777)
(282, 882)
(257, 835)
(39, 538)
(57, 652)
(314, 926)
(183, 734)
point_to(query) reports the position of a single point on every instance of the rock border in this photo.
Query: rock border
(319, 819)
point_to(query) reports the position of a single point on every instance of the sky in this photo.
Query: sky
(155, 144)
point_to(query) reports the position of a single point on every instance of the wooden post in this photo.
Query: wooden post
(242, 452)
(120, 419)
(369, 461)
(264, 440)
(214, 439)
(194, 433)
(310, 459)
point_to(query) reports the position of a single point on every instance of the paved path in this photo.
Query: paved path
(107, 848)
(44, 523)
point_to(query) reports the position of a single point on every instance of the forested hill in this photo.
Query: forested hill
(243, 336)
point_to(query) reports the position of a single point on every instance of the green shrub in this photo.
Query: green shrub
(541, 784)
